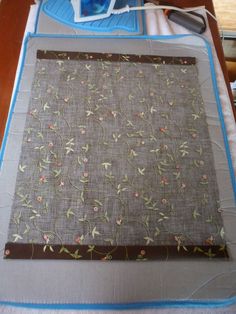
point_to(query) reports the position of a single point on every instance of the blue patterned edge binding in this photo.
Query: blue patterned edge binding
(125, 306)
(133, 305)
(62, 12)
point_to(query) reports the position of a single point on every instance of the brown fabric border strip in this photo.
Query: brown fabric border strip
(66, 55)
(91, 252)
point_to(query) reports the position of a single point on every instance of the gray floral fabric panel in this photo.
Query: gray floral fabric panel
(116, 162)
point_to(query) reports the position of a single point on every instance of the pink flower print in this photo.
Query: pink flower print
(163, 130)
(136, 194)
(51, 126)
(119, 221)
(82, 131)
(164, 201)
(85, 160)
(183, 185)
(33, 112)
(78, 240)
(104, 258)
(100, 119)
(46, 238)
(29, 140)
(43, 179)
(85, 174)
(164, 181)
(194, 135)
(210, 240)
(62, 183)
(39, 199)
(7, 252)
(142, 252)
(50, 144)
(96, 209)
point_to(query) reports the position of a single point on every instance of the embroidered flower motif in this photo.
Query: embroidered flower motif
(52, 126)
(46, 238)
(164, 181)
(43, 179)
(50, 144)
(85, 160)
(66, 100)
(95, 209)
(119, 221)
(7, 252)
(141, 114)
(39, 199)
(33, 112)
(163, 130)
(142, 252)
(104, 258)
(114, 113)
(164, 201)
(78, 240)
(210, 240)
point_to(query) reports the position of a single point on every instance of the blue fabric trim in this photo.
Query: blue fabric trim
(221, 116)
(37, 17)
(140, 37)
(125, 306)
(136, 305)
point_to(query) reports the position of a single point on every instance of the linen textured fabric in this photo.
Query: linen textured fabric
(116, 162)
